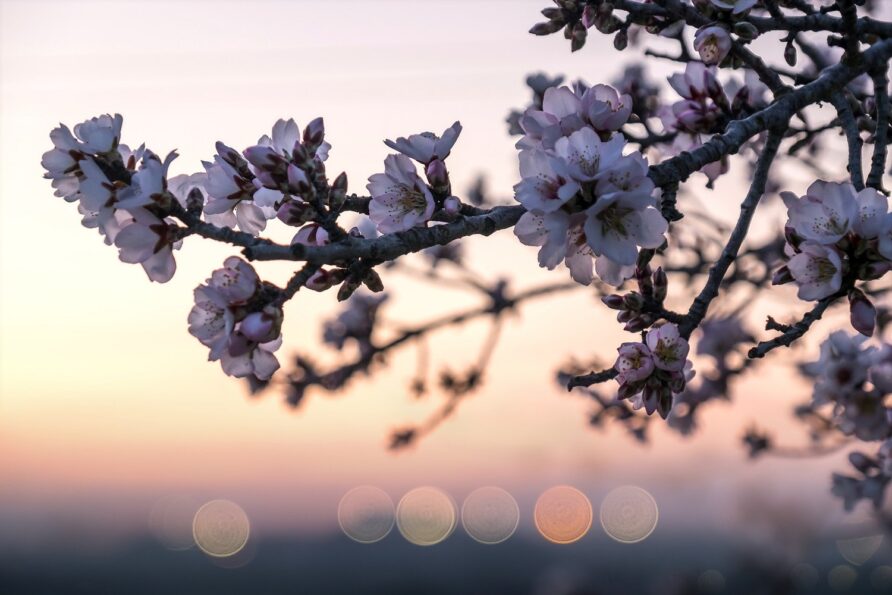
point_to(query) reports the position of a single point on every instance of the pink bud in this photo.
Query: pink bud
(452, 205)
(437, 175)
(314, 133)
(262, 157)
(863, 314)
(257, 327)
(297, 179)
(781, 276)
(295, 212)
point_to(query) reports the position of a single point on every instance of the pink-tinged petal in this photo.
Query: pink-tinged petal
(160, 266)
(265, 364)
(560, 101)
(251, 218)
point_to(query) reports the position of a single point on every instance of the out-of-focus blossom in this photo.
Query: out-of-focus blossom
(355, 322)
(720, 335)
(400, 199)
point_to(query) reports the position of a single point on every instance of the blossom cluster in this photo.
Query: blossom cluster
(836, 237)
(651, 372)
(282, 176)
(587, 202)
(123, 193)
(229, 318)
(400, 199)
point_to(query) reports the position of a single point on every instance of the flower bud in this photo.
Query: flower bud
(372, 280)
(338, 192)
(295, 212)
(661, 284)
(863, 314)
(613, 301)
(452, 205)
(589, 13)
(633, 301)
(547, 28)
(664, 404)
(577, 39)
(350, 285)
(324, 279)
(311, 235)
(262, 327)
(437, 176)
(874, 270)
(195, 201)
(298, 182)
(781, 276)
(621, 40)
(746, 30)
(228, 154)
(645, 281)
(790, 54)
(861, 462)
(314, 134)
(638, 323)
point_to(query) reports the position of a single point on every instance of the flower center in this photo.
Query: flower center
(411, 199)
(613, 219)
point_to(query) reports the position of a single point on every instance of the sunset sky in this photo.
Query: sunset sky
(108, 404)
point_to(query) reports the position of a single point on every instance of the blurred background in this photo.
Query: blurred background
(109, 409)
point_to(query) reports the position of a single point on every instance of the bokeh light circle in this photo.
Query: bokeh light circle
(563, 514)
(426, 516)
(366, 514)
(629, 514)
(490, 515)
(842, 577)
(858, 550)
(221, 528)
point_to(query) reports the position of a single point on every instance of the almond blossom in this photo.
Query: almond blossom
(712, 43)
(565, 110)
(100, 134)
(817, 269)
(541, 187)
(149, 241)
(427, 146)
(400, 199)
(825, 213)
